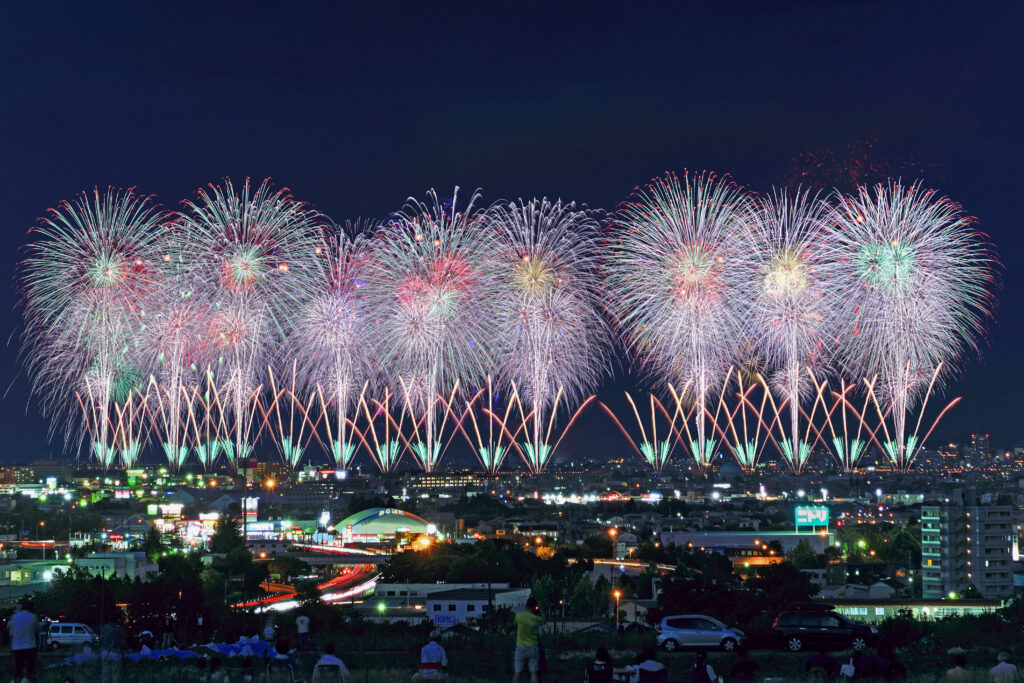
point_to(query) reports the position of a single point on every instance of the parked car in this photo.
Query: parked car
(813, 626)
(696, 631)
(64, 634)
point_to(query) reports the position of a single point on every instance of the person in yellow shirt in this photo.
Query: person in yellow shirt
(528, 623)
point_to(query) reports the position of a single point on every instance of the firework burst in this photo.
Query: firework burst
(915, 275)
(87, 284)
(676, 268)
(252, 250)
(432, 284)
(792, 294)
(557, 339)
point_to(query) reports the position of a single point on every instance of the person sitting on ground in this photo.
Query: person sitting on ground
(1004, 671)
(201, 669)
(959, 671)
(870, 665)
(600, 670)
(329, 662)
(283, 659)
(248, 669)
(433, 659)
(648, 668)
(897, 671)
(702, 672)
(217, 675)
(745, 669)
(821, 666)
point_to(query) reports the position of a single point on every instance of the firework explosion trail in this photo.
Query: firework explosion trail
(675, 272)
(87, 284)
(433, 286)
(332, 339)
(915, 274)
(792, 295)
(252, 248)
(558, 342)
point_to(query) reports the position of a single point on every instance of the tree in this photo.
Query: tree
(226, 537)
(582, 598)
(153, 545)
(546, 593)
(804, 557)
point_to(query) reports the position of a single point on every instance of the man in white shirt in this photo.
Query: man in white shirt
(22, 627)
(329, 662)
(433, 659)
(1003, 672)
(302, 626)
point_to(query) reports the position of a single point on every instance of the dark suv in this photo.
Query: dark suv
(816, 626)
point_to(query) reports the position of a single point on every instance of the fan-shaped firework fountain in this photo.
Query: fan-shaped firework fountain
(676, 268)
(915, 275)
(558, 341)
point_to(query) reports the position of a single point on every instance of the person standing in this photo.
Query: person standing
(24, 641)
(302, 627)
(527, 657)
(1004, 671)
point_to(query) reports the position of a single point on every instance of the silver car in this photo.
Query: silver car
(698, 632)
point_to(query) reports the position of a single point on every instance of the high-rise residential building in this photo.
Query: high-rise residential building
(964, 544)
(943, 551)
(978, 449)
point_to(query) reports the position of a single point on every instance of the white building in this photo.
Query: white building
(451, 607)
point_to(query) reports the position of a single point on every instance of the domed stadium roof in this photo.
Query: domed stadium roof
(384, 521)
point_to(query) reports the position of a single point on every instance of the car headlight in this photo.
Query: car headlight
(874, 630)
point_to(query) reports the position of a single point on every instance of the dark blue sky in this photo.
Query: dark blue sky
(356, 109)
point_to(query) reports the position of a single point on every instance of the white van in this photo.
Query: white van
(62, 634)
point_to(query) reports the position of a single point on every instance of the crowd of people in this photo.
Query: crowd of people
(528, 658)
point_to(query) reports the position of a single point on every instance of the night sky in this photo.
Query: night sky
(356, 109)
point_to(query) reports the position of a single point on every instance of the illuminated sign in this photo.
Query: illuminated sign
(811, 515)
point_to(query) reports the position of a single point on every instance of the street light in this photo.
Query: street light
(618, 594)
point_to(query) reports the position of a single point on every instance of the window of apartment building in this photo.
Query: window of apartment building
(471, 608)
(437, 607)
(451, 607)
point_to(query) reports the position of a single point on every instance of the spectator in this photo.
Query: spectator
(283, 659)
(1003, 672)
(745, 669)
(248, 669)
(202, 672)
(433, 659)
(216, 675)
(821, 667)
(329, 662)
(897, 671)
(111, 652)
(269, 632)
(601, 669)
(959, 671)
(24, 641)
(527, 657)
(702, 671)
(302, 627)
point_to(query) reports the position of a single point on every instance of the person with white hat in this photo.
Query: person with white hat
(433, 659)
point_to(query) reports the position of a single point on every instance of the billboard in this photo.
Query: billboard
(811, 516)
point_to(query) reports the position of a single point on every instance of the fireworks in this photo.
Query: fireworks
(676, 268)
(557, 339)
(433, 287)
(248, 320)
(792, 294)
(915, 275)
